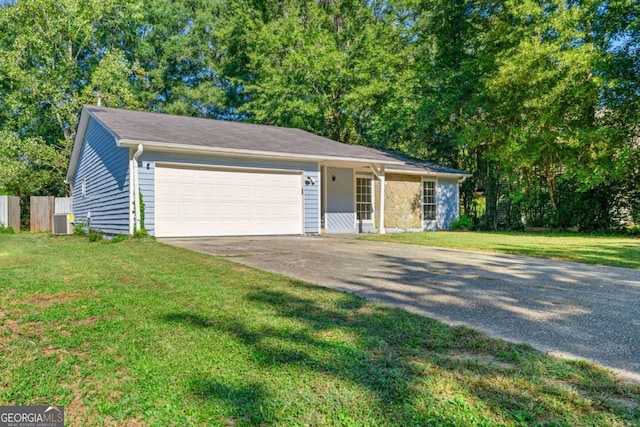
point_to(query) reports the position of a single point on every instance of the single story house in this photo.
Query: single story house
(185, 177)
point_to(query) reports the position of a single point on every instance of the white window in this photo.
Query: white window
(364, 205)
(429, 200)
(83, 188)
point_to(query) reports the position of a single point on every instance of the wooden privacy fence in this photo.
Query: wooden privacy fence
(42, 210)
(44, 207)
(10, 212)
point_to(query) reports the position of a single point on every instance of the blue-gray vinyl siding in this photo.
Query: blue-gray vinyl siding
(104, 168)
(447, 200)
(340, 201)
(311, 198)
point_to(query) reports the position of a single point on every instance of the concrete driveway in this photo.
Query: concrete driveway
(568, 309)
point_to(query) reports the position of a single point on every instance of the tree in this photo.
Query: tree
(28, 165)
(179, 57)
(455, 48)
(51, 65)
(539, 99)
(328, 67)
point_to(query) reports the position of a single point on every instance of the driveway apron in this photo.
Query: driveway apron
(568, 309)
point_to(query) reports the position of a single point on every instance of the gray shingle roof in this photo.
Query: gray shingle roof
(137, 126)
(413, 165)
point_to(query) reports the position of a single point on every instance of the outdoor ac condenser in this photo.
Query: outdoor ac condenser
(62, 224)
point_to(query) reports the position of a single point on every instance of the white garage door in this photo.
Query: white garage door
(205, 202)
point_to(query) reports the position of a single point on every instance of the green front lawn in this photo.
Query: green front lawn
(603, 250)
(139, 333)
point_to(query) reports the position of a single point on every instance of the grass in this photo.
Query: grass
(140, 333)
(591, 249)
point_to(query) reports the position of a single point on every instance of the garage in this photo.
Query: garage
(192, 201)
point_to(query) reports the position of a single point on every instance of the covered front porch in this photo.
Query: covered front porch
(387, 197)
(352, 198)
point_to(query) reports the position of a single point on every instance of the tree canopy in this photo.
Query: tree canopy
(539, 99)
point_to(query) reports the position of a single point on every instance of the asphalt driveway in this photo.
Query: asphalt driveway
(565, 308)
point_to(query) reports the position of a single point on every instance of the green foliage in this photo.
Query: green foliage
(142, 212)
(545, 99)
(180, 52)
(6, 230)
(630, 231)
(140, 233)
(111, 79)
(29, 164)
(518, 93)
(55, 57)
(119, 238)
(95, 235)
(79, 229)
(463, 223)
(327, 67)
(532, 97)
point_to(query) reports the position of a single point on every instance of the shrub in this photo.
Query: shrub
(95, 235)
(78, 229)
(463, 223)
(6, 230)
(633, 231)
(517, 226)
(139, 233)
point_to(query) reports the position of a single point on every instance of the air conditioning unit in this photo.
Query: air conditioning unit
(63, 224)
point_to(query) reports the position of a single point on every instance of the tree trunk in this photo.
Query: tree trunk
(491, 196)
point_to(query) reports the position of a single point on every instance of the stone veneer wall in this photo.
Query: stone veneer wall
(402, 201)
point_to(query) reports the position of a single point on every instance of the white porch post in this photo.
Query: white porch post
(381, 229)
(324, 216)
(378, 171)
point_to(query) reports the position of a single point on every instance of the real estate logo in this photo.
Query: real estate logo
(31, 416)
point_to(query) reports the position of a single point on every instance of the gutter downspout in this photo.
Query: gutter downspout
(136, 188)
(132, 208)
